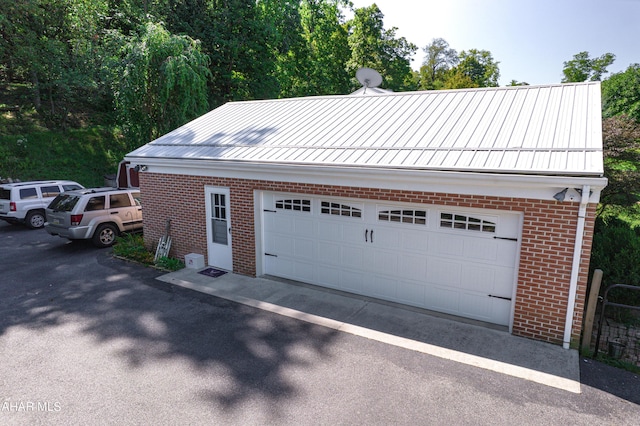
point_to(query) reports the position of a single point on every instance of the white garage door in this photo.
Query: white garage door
(460, 262)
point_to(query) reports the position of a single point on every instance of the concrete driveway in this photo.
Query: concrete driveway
(89, 339)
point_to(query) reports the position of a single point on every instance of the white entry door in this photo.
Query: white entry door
(219, 248)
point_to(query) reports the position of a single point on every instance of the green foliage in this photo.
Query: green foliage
(374, 47)
(54, 45)
(162, 86)
(621, 142)
(323, 69)
(621, 93)
(582, 67)
(131, 246)
(439, 59)
(84, 155)
(517, 83)
(477, 66)
(618, 363)
(444, 68)
(238, 40)
(616, 251)
(170, 263)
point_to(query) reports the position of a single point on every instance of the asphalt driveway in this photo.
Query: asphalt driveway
(89, 339)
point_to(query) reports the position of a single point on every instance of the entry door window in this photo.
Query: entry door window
(219, 219)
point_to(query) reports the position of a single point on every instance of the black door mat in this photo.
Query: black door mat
(212, 272)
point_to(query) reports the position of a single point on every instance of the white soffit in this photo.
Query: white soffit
(549, 130)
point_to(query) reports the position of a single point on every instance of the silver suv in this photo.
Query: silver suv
(24, 202)
(99, 214)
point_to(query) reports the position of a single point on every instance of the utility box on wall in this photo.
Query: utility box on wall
(194, 261)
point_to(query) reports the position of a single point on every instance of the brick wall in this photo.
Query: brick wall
(545, 259)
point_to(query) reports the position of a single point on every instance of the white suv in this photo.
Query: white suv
(24, 202)
(99, 214)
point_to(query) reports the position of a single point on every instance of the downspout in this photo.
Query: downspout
(575, 267)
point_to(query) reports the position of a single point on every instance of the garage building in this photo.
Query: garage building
(477, 203)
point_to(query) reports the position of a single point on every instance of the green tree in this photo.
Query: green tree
(237, 40)
(326, 38)
(476, 68)
(439, 58)
(621, 93)
(309, 43)
(285, 42)
(163, 84)
(457, 79)
(621, 142)
(374, 47)
(582, 67)
(55, 46)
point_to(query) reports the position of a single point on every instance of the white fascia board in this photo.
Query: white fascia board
(466, 183)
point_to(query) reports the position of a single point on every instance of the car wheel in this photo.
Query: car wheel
(35, 219)
(105, 235)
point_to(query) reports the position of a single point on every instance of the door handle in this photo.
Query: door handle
(229, 229)
(114, 212)
(372, 235)
(366, 236)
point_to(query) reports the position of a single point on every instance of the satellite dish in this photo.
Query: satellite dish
(368, 77)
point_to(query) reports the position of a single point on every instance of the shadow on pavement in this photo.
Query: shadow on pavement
(621, 383)
(48, 282)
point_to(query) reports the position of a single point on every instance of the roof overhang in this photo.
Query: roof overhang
(510, 185)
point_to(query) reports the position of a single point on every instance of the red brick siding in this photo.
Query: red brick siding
(546, 250)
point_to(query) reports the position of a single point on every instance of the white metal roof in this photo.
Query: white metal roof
(551, 130)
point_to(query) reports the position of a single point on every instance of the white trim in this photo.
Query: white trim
(575, 268)
(258, 219)
(227, 261)
(468, 183)
(516, 272)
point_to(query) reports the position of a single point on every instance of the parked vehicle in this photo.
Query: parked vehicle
(25, 202)
(98, 214)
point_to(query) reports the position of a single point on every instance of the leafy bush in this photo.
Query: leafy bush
(131, 246)
(170, 263)
(616, 251)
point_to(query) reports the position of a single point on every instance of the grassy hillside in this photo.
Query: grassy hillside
(29, 151)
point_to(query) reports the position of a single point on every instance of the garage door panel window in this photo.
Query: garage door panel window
(468, 223)
(299, 205)
(339, 209)
(416, 217)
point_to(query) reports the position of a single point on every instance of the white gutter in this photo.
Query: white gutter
(473, 183)
(575, 267)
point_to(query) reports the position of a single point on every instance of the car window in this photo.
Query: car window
(119, 200)
(71, 187)
(28, 193)
(95, 203)
(5, 194)
(64, 203)
(136, 198)
(50, 191)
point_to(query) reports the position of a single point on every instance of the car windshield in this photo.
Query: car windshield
(64, 202)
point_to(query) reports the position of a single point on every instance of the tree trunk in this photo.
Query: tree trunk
(37, 102)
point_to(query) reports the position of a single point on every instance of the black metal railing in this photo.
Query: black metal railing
(606, 302)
